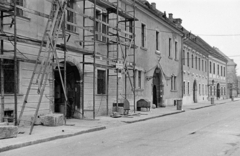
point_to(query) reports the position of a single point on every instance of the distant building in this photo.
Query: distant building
(232, 82)
(217, 75)
(195, 70)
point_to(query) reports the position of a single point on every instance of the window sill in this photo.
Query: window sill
(143, 48)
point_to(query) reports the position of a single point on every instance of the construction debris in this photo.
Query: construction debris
(8, 131)
(52, 119)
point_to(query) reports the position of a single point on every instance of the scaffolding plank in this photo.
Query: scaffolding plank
(5, 6)
(33, 11)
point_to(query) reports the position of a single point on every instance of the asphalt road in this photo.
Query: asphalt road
(211, 131)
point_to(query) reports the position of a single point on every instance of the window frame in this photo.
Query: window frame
(169, 47)
(173, 83)
(71, 16)
(184, 57)
(140, 79)
(192, 61)
(176, 50)
(101, 91)
(143, 35)
(11, 78)
(157, 40)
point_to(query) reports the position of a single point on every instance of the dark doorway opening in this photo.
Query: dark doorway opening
(72, 90)
(195, 91)
(158, 88)
(218, 91)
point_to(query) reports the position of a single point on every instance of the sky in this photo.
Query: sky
(215, 21)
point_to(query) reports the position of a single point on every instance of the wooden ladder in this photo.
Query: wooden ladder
(44, 61)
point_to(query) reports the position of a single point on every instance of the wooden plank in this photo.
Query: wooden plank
(33, 11)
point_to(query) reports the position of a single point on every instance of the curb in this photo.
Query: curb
(10, 147)
(202, 107)
(153, 117)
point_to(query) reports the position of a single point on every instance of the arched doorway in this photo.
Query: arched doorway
(218, 91)
(157, 88)
(195, 91)
(72, 89)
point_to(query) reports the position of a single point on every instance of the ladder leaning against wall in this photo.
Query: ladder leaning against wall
(44, 61)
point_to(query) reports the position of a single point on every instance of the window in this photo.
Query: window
(183, 57)
(192, 61)
(205, 66)
(199, 61)
(202, 66)
(176, 52)
(224, 72)
(206, 90)
(213, 68)
(101, 82)
(221, 71)
(173, 83)
(214, 90)
(188, 59)
(210, 67)
(196, 62)
(157, 40)
(188, 88)
(210, 90)
(104, 27)
(217, 69)
(8, 71)
(19, 11)
(169, 47)
(101, 27)
(184, 85)
(199, 89)
(202, 89)
(71, 16)
(139, 79)
(143, 33)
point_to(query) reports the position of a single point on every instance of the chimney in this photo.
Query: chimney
(170, 17)
(153, 5)
(178, 22)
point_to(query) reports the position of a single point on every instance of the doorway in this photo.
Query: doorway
(72, 91)
(218, 91)
(158, 88)
(195, 91)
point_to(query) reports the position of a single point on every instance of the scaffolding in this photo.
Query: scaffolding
(119, 38)
(8, 10)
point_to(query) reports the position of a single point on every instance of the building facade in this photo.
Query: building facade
(231, 76)
(195, 71)
(114, 51)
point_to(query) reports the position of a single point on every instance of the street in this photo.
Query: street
(211, 131)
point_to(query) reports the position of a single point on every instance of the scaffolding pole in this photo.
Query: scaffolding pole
(2, 74)
(15, 66)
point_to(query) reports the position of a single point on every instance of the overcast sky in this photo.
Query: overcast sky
(215, 21)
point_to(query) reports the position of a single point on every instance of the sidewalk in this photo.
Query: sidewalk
(43, 133)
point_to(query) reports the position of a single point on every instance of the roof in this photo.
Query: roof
(174, 23)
